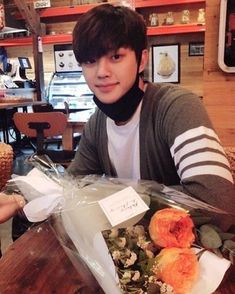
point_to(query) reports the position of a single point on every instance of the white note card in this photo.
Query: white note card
(122, 206)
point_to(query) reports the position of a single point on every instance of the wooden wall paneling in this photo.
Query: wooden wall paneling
(219, 87)
(191, 67)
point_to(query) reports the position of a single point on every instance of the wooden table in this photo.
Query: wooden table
(4, 110)
(9, 105)
(37, 263)
(76, 123)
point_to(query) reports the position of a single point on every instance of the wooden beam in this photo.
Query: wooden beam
(33, 20)
(38, 65)
(30, 15)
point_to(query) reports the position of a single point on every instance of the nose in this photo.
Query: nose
(103, 68)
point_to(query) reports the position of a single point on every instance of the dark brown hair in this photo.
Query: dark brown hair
(105, 28)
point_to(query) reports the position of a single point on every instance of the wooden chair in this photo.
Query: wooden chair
(48, 107)
(45, 107)
(42, 125)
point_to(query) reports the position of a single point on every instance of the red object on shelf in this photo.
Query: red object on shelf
(52, 39)
(175, 29)
(27, 41)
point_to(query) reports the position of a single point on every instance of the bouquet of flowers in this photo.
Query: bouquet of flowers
(159, 256)
(163, 250)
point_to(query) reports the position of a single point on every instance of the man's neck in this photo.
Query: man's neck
(142, 86)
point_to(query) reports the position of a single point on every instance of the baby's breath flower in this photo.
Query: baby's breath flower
(166, 289)
(113, 233)
(132, 251)
(152, 279)
(127, 252)
(116, 254)
(121, 242)
(142, 243)
(140, 291)
(135, 231)
(130, 261)
(136, 276)
(130, 231)
(139, 230)
(149, 253)
(146, 246)
(126, 277)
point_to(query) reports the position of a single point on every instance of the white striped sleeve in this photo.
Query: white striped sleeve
(198, 152)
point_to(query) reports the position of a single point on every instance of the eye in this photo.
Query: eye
(116, 56)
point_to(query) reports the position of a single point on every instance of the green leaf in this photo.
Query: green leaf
(229, 245)
(226, 236)
(209, 238)
(216, 228)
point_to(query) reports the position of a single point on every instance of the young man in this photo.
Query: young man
(142, 130)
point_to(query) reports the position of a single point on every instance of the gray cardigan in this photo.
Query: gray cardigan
(167, 112)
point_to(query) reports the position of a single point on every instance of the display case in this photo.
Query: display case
(72, 88)
(68, 83)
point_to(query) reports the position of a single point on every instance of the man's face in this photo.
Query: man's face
(112, 75)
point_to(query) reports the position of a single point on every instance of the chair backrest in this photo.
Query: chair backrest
(54, 123)
(45, 107)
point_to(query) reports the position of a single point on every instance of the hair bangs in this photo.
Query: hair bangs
(106, 28)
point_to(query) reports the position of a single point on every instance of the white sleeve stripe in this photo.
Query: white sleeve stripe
(207, 170)
(203, 157)
(194, 146)
(193, 133)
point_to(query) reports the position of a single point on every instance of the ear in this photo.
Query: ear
(144, 60)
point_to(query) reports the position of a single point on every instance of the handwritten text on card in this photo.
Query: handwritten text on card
(123, 205)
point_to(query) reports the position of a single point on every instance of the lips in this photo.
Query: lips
(105, 88)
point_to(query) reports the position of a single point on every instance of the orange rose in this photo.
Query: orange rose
(177, 267)
(171, 227)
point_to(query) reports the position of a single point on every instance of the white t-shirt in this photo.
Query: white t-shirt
(123, 146)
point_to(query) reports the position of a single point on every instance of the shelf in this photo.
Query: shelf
(53, 13)
(65, 11)
(175, 29)
(67, 38)
(80, 9)
(57, 39)
(27, 41)
(151, 3)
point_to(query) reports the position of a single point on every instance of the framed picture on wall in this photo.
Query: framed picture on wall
(166, 63)
(196, 49)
